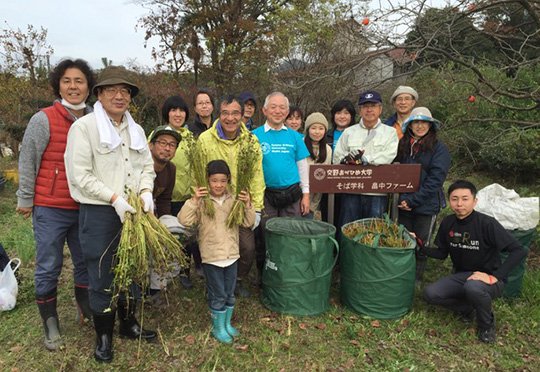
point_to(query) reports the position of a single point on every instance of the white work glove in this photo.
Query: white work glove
(257, 220)
(148, 201)
(121, 206)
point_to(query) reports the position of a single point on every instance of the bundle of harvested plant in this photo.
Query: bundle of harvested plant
(144, 242)
(376, 232)
(198, 167)
(245, 170)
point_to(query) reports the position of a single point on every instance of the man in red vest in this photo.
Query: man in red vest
(44, 194)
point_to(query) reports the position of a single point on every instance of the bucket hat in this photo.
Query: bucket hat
(420, 113)
(112, 75)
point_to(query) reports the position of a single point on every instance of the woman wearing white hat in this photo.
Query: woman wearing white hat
(419, 145)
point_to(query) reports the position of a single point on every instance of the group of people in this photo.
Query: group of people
(77, 163)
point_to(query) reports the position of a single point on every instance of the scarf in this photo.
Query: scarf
(416, 144)
(109, 137)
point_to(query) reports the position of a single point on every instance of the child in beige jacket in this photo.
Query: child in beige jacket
(219, 244)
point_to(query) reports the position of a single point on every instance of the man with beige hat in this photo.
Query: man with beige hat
(403, 100)
(106, 155)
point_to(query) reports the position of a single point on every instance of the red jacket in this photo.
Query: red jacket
(51, 183)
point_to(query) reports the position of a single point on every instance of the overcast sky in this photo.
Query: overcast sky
(90, 29)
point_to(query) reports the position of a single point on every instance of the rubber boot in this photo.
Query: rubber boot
(104, 325)
(228, 327)
(129, 326)
(47, 309)
(84, 314)
(218, 326)
(185, 280)
(240, 290)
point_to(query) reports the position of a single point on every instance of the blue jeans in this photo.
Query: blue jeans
(357, 206)
(52, 227)
(220, 282)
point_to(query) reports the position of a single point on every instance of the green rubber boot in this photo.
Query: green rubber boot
(228, 315)
(218, 326)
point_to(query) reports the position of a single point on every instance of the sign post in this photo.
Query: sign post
(357, 179)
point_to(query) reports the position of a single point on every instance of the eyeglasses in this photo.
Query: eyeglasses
(233, 114)
(111, 92)
(205, 103)
(404, 99)
(166, 144)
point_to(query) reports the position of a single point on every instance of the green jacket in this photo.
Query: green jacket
(183, 186)
(215, 148)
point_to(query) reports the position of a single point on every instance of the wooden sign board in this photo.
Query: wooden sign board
(357, 179)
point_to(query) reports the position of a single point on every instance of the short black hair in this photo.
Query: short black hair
(60, 69)
(228, 99)
(340, 105)
(462, 184)
(204, 91)
(292, 110)
(173, 103)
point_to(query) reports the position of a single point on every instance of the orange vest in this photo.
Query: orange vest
(51, 184)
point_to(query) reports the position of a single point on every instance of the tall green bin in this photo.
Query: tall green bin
(298, 266)
(515, 277)
(377, 281)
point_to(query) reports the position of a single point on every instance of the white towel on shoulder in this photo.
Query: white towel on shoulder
(109, 137)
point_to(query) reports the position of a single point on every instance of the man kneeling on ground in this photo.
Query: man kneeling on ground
(475, 242)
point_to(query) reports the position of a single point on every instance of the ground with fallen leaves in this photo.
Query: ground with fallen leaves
(425, 339)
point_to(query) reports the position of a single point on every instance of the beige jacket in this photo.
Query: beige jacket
(216, 241)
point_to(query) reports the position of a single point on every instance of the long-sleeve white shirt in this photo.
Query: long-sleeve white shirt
(379, 143)
(95, 173)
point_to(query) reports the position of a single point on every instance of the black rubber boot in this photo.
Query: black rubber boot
(104, 325)
(47, 309)
(185, 280)
(129, 326)
(84, 314)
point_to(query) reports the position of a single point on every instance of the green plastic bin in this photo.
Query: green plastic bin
(377, 281)
(298, 267)
(515, 277)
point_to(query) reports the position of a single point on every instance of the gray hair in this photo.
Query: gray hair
(268, 97)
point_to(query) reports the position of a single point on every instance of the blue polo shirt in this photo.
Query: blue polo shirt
(281, 150)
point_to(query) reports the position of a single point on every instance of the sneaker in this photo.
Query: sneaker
(468, 317)
(186, 282)
(240, 290)
(199, 271)
(157, 299)
(487, 335)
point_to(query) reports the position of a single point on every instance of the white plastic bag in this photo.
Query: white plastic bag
(8, 286)
(513, 212)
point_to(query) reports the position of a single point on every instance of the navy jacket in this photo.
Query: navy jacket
(390, 121)
(429, 198)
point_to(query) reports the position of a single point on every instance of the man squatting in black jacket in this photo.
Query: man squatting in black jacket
(474, 242)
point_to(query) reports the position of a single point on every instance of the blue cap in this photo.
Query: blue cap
(369, 96)
(245, 96)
